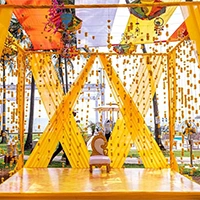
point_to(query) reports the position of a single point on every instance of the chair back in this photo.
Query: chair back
(99, 145)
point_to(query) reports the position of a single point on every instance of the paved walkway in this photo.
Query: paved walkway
(184, 160)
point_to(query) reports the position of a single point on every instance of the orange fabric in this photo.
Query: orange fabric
(180, 32)
(33, 22)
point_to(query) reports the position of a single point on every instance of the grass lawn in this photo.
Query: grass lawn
(177, 153)
(3, 147)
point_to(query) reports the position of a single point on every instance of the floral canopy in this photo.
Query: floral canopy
(34, 20)
(94, 32)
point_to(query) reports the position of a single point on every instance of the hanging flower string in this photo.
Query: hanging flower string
(63, 21)
(54, 18)
(60, 20)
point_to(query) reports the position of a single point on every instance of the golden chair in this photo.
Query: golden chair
(99, 156)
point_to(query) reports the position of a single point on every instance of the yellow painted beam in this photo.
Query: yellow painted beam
(49, 87)
(47, 81)
(172, 105)
(148, 149)
(5, 17)
(147, 3)
(21, 103)
(62, 127)
(15, 44)
(119, 144)
(141, 88)
(192, 15)
(148, 77)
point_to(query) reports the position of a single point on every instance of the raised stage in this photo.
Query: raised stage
(64, 183)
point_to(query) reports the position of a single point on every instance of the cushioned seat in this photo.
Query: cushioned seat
(99, 159)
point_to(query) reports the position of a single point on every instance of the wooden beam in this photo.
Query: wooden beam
(187, 3)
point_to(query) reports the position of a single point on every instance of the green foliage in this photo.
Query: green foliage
(92, 126)
(188, 170)
(133, 153)
(58, 164)
(27, 152)
(3, 148)
(66, 2)
(3, 165)
(178, 153)
(133, 166)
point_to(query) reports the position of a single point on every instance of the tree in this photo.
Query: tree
(92, 126)
(157, 130)
(29, 139)
(63, 76)
(60, 73)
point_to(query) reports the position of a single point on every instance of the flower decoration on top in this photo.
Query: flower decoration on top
(158, 25)
(121, 48)
(64, 21)
(137, 29)
(146, 13)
